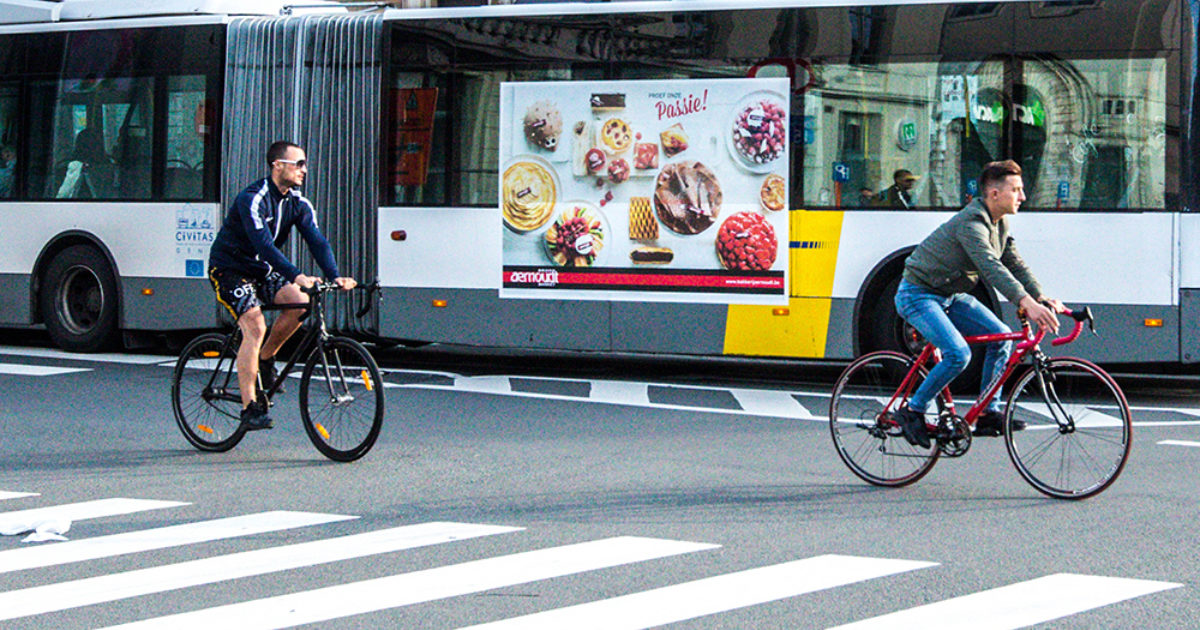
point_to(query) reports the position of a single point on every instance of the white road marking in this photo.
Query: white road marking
(106, 588)
(343, 600)
(1017, 605)
(20, 369)
(84, 510)
(1180, 443)
(159, 538)
(711, 595)
(763, 402)
(16, 495)
(48, 353)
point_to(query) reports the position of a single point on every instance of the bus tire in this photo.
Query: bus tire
(78, 300)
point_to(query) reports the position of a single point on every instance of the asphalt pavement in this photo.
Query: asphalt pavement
(564, 492)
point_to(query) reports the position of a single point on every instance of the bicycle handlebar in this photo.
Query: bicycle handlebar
(1080, 316)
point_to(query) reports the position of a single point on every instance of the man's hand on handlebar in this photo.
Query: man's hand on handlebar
(1044, 317)
(305, 282)
(345, 283)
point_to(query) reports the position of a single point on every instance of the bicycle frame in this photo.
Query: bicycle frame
(314, 335)
(1027, 344)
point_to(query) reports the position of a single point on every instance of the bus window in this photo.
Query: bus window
(97, 142)
(1094, 130)
(9, 130)
(189, 126)
(1088, 133)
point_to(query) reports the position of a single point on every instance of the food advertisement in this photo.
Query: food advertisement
(645, 190)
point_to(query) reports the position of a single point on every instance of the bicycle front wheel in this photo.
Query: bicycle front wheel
(1078, 430)
(860, 420)
(205, 396)
(341, 399)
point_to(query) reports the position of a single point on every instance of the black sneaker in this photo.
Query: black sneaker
(254, 417)
(991, 424)
(912, 424)
(266, 371)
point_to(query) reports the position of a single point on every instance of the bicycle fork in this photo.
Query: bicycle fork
(1054, 406)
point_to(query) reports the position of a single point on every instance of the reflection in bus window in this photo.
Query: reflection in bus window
(188, 126)
(98, 142)
(1089, 133)
(8, 141)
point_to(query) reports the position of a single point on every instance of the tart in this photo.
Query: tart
(615, 135)
(576, 237)
(746, 242)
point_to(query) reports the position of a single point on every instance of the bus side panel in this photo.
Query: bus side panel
(801, 329)
(15, 305)
(168, 303)
(440, 271)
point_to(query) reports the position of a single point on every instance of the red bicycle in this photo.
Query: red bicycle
(1078, 429)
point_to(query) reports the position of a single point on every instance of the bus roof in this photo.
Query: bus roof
(640, 6)
(44, 11)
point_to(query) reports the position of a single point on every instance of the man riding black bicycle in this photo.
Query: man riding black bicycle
(933, 297)
(248, 270)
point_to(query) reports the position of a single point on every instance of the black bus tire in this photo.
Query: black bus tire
(78, 300)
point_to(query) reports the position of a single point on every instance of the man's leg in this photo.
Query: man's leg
(973, 318)
(287, 323)
(254, 328)
(923, 309)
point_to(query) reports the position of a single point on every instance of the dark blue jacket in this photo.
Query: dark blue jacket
(258, 224)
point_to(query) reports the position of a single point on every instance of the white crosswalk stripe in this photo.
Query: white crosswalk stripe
(1038, 600)
(1017, 605)
(712, 595)
(423, 586)
(64, 595)
(82, 511)
(159, 538)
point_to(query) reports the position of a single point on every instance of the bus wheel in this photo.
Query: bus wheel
(78, 300)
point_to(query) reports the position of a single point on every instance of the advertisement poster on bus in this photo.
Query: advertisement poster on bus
(669, 191)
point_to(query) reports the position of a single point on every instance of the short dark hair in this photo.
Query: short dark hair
(994, 173)
(277, 150)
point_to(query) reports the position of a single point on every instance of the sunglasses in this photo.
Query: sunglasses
(296, 163)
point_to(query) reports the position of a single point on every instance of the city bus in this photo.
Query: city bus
(659, 177)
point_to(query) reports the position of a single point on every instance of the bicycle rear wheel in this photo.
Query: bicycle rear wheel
(860, 421)
(341, 399)
(204, 394)
(1078, 430)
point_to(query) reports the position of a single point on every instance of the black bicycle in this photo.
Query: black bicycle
(341, 392)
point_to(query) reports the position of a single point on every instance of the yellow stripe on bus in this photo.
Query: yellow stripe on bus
(802, 332)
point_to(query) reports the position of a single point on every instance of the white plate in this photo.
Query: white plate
(541, 162)
(731, 121)
(605, 228)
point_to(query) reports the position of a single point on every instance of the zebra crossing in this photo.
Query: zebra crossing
(1039, 599)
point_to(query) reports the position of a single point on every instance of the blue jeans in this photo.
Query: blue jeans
(943, 321)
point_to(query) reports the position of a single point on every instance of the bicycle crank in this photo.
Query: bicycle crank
(953, 436)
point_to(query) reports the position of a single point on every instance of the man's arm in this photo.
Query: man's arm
(318, 245)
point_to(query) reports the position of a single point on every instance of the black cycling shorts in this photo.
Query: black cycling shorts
(240, 293)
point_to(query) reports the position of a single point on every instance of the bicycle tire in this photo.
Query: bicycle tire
(1076, 460)
(867, 441)
(348, 394)
(210, 423)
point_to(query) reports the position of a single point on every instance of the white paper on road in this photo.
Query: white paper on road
(1017, 605)
(405, 589)
(711, 595)
(160, 538)
(106, 588)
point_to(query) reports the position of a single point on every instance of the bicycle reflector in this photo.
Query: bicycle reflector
(205, 429)
(321, 429)
(367, 381)
(211, 354)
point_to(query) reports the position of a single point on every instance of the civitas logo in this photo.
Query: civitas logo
(541, 277)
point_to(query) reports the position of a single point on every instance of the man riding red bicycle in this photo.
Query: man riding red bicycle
(932, 297)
